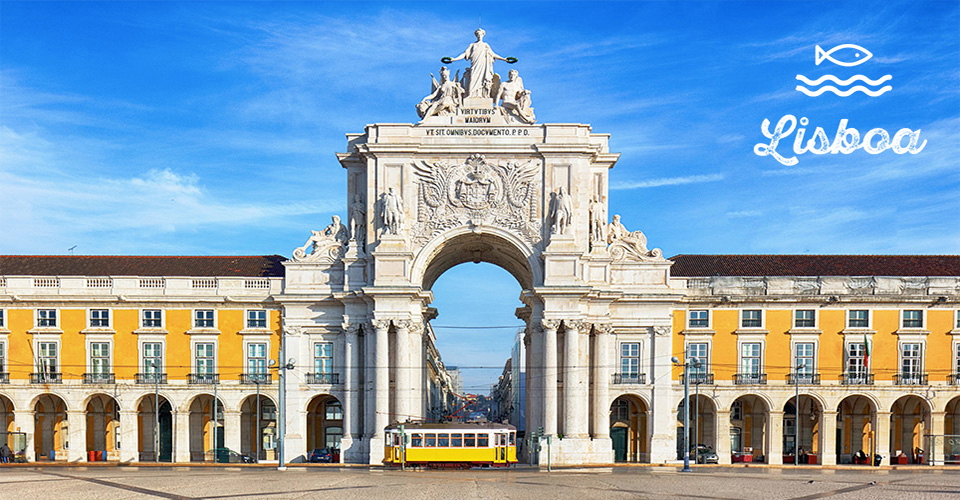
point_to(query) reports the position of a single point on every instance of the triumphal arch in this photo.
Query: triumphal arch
(478, 179)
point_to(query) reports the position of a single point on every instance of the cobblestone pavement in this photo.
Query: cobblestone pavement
(227, 483)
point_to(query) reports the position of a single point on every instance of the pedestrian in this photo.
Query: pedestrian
(6, 456)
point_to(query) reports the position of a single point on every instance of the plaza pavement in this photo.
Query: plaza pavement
(523, 483)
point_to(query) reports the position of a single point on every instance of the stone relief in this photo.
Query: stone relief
(549, 324)
(602, 328)
(754, 286)
(326, 246)
(916, 285)
(629, 245)
(476, 192)
(661, 331)
(391, 206)
(807, 286)
(861, 285)
(292, 331)
(560, 211)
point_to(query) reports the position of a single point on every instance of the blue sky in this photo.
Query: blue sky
(210, 128)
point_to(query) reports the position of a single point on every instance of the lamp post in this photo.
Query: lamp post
(156, 410)
(686, 411)
(796, 413)
(282, 409)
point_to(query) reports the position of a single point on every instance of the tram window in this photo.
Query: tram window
(416, 441)
(501, 439)
(456, 440)
(513, 439)
(483, 440)
(443, 440)
(430, 441)
(469, 440)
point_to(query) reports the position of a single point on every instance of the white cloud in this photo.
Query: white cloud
(667, 181)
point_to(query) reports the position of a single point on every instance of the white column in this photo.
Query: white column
(549, 364)
(25, 422)
(601, 387)
(181, 436)
(128, 436)
(722, 441)
(77, 436)
(402, 372)
(666, 396)
(530, 418)
(351, 407)
(231, 430)
(828, 438)
(938, 426)
(369, 381)
(881, 436)
(774, 438)
(381, 366)
(416, 370)
(575, 394)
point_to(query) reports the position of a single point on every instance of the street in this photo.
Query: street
(189, 483)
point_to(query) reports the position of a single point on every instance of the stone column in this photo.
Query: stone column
(24, 420)
(774, 437)
(351, 406)
(77, 436)
(181, 435)
(402, 392)
(381, 368)
(231, 430)
(938, 427)
(723, 437)
(549, 363)
(416, 370)
(574, 394)
(531, 419)
(369, 380)
(128, 436)
(881, 436)
(601, 381)
(666, 396)
(828, 438)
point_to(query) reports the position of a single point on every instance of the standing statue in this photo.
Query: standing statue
(445, 99)
(598, 221)
(392, 212)
(515, 99)
(327, 243)
(560, 212)
(358, 220)
(478, 79)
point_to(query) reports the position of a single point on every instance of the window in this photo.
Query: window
(956, 360)
(911, 362)
(856, 354)
(257, 358)
(205, 362)
(751, 318)
(203, 318)
(3, 322)
(913, 319)
(804, 318)
(699, 319)
(334, 411)
(697, 353)
(956, 323)
(750, 359)
(323, 357)
(257, 318)
(416, 440)
(332, 437)
(47, 358)
(805, 362)
(3, 357)
(443, 440)
(152, 357)
(630, 360)
(736, 410)
(99, 318)
(483, 440)
(47, 317)
(430, 441)
(469, 440)
(151, 318)
(100, 357)
(859, 318)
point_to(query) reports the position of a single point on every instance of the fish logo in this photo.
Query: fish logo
(860, 55)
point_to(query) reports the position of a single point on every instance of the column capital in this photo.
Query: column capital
(549, 324)
(402, 324)
(661, 331)
(602, 328)
(380, 324)
(585, 327)
(292, 330)
(350, 328)
(572, 324)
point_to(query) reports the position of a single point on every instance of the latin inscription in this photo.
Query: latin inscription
(500, 132)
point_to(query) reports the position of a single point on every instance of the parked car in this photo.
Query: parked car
(324, 455)
(706, 455)
(228, 456)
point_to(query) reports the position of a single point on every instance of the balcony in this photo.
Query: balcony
(46, 378)
(750, 379)
(255, 378)
(629, 378)
(152, 378)
(911, 379)
(4, 378)
(699, 378)
(323, 378)
(856, 379)
(803, 379)
(954, 378)
(203, 378)
(98, 378)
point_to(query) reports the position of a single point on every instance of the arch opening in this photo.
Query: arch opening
(155, 428)
(909, 421)
(856, 421)
(802, 439)
(628, 429)
(703, 428)
(324, 426)
(50, 428)
(103, 428)
(258, 435)
(206, 432)
(490, 245)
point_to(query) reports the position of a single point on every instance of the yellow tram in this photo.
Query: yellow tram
(452, 445)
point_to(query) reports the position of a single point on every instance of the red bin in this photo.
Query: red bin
(91, 456)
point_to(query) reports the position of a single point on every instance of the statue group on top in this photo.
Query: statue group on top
(478, 81)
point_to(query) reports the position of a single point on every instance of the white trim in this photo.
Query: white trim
(4, 320)
(163, 320)
(100, 339)
(42, 338)
(5, 359)
(793, 319)
(203, 339)
(709, 319)
(701, 340)
(923, 319)
(793, 352)
(245, 358)
(36, 317)
(846, 319)
(248, 330)
(763, 319)
(204, 330)
(923, 352)
(145, 339)
(751, 340)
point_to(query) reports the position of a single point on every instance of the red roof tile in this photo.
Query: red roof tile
(815, 265)
(88, 265)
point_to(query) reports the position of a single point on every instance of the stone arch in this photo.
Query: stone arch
(205, 432)
(7, 422)
(477, 244)
(703, 423)
(50, 427)
(909, 420)
(35, 399)
(750, 426)
(856, 422)
(324, 422)
(629, 424)
(805, 424)
(154, 428)
(260, 443)
(102, 413)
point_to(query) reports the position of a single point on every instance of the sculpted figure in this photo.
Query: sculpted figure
(478, 80)
(561, 211)
(445, 98)
(514, 99)
(598, 219)
(331, 238)
(629, 244)
(392, 212)
(358, 220)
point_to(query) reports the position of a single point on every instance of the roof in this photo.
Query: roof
(113, 265)
(815, 265)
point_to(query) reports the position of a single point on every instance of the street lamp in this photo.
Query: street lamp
(156, 410)
(282, 409)
(796, 413)
(686, 409)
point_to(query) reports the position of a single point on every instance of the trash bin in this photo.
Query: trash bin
(877, 458)
(91, 456)
(53, 455)
(100, 456)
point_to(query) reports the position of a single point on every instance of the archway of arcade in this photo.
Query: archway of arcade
(703, 425)
(629, 425)
(262, 416)
(50, 427)
(102, 425)
(324, 424)
(155, 427)
(909, 421)
(205, 432)
(856, 422)
(801, 431)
